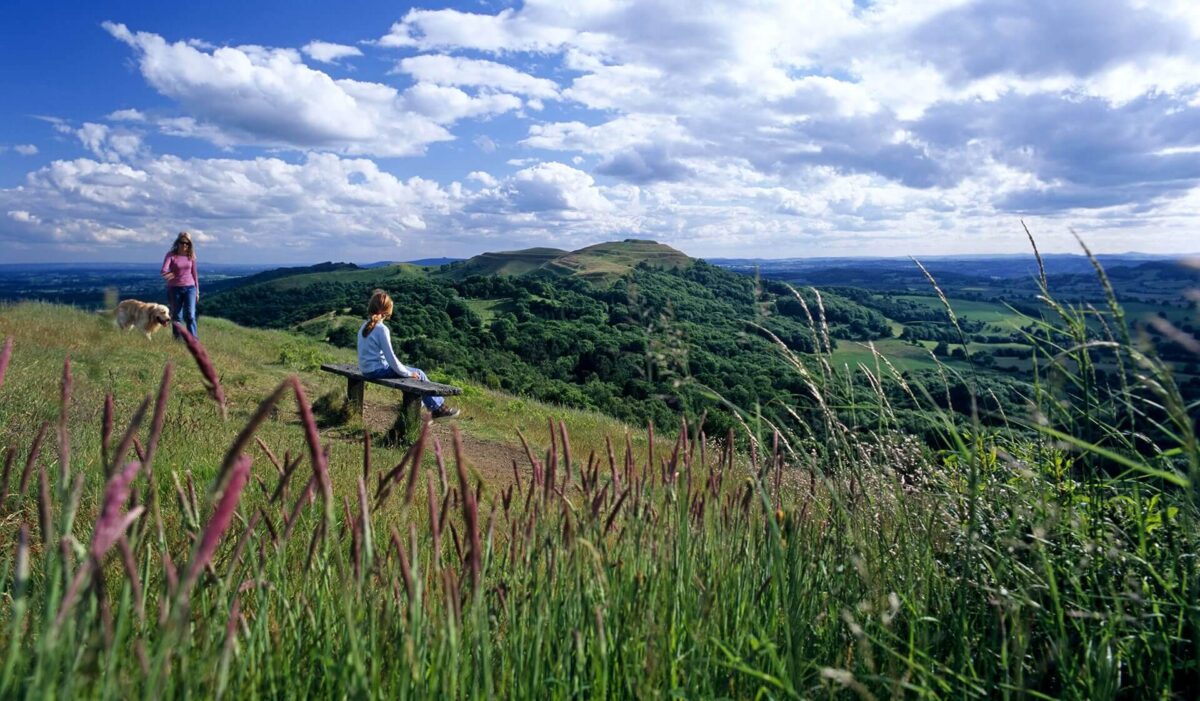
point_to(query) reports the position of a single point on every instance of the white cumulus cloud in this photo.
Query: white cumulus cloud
(544, 188)
(454, 70)
(109, 144)
(327, 52)
(254, 95)
(507, 30)
(249, 209)
(781, 127)
(446, 105)
(126, 115)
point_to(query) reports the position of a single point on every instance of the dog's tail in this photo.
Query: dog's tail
(110, 314)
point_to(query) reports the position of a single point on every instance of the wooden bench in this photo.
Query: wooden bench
(408, 423)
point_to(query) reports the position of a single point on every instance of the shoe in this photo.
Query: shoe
(445, 413)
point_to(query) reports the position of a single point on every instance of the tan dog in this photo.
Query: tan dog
(145, 316)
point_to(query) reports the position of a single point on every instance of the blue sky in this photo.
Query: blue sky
(287, 132)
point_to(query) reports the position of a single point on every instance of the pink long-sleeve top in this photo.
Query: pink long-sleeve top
(184, 269)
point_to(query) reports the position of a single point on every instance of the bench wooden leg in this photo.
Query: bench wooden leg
(407, 428)
(354, 394)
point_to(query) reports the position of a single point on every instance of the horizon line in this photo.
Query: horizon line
(943, 256)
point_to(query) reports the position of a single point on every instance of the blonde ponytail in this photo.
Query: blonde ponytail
(378, 309)
(374, 320)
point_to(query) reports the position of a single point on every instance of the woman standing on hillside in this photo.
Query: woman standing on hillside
(183, 282)
(376, 359)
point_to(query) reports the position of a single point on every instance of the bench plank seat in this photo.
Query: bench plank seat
(417, 387)
(407, 428)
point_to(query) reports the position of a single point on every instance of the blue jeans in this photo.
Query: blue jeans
(182, 303)
(431, 402)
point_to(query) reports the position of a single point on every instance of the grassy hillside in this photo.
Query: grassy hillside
(381, 274)
(277, 273)
(660, 339)
(1053, 558)
(251, 363)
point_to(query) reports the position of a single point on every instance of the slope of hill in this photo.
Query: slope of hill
(250, 363)
(348, 276)
(639, 331)
(1075, 548)
(941, 562)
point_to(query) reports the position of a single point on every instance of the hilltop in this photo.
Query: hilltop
(600, 263)
(609, 261)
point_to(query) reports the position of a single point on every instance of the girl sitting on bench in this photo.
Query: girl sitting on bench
(377, 360)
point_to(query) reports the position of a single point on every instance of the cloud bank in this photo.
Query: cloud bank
(825, 127)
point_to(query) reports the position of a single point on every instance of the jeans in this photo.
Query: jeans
(182, 303)
(431, 402)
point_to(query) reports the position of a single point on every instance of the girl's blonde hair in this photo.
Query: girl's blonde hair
(184, 237)
(378, 309)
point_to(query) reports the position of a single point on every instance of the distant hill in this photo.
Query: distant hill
(423, 262)
(277, 273)
(599, 263)
(615, 259)
(505, 262)
(296, 278)
(640, 331)
(573, 329)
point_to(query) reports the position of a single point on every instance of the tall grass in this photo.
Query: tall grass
(1053, 557)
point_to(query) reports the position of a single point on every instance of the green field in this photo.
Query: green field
(327, 322)
(902, 354)
(487, 309)
(991, 313)
(1176, 313)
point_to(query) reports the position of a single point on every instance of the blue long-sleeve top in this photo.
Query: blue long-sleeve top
(375, 351)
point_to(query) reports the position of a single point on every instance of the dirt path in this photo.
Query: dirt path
(491, 459)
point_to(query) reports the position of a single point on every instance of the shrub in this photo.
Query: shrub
(302, 356)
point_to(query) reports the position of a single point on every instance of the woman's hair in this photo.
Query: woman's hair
(182, 238)
(378, 309)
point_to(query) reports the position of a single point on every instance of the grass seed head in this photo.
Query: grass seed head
(5, 356)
